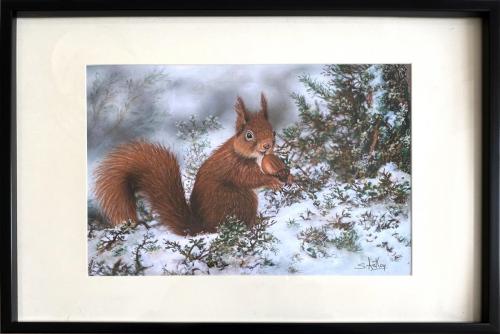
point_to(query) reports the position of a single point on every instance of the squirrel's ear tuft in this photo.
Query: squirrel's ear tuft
(263, 105)
(243, 117)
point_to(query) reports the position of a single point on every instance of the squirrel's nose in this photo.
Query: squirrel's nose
(267, 146)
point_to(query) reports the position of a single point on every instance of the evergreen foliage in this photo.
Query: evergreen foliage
(353, 122)
(195, 133)
(121, 107)
(235, 245)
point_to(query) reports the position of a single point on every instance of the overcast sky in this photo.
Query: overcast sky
(212, 89)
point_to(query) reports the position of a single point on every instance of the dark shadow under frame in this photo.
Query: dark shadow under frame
(487, 10)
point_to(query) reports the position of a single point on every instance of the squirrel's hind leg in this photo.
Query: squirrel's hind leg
(240, 204)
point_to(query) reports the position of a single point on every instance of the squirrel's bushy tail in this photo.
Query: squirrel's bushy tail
(150, 169)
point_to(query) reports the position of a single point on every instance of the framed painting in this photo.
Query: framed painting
(250, 166)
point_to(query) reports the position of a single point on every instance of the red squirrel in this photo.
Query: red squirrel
(224, 186)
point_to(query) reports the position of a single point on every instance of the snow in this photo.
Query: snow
(382, 252)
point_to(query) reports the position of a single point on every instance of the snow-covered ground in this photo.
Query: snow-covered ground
(341, 232)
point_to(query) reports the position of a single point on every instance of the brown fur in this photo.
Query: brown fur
(147, 167)
(224, 185)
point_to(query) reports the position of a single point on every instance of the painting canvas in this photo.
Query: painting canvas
(290, 169)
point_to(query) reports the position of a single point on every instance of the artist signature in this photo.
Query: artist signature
(372, 265)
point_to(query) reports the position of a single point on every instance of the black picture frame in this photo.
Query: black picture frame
(487, 10)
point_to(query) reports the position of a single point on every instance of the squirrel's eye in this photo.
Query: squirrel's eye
(274, 133)
(249, 135)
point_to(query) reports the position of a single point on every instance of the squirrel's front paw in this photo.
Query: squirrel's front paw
(275, 184)
(283, 175)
